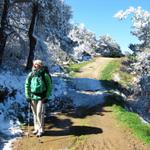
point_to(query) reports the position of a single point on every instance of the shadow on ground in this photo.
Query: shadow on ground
(113, 85)
(82, 112)
(56, 126)
(74, 130)
(54, 121)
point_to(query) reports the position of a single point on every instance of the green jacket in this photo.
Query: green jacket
(32, 96)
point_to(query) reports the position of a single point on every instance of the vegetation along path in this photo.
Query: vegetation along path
(96, 129)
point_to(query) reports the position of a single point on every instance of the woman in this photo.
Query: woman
(37, 90)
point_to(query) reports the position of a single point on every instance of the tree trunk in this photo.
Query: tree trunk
(32, 39)
(3, 35)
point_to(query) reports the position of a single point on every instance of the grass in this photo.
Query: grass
(126, 78)
(106, 76)
(132, 121)
(78, 66)
(73, 68)
(110, 69)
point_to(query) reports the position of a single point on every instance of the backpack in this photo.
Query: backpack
(47, 71)
(38, 82)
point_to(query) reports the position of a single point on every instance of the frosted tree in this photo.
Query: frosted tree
(140, 23)
(141, 29)
(52, 30)
(9, 16)
(84, 40)
(108, 47)
(12, 25)
(33, 26)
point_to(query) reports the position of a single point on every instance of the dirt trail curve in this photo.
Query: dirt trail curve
(97, 130)
(93, 69)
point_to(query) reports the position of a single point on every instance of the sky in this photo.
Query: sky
(97, 16)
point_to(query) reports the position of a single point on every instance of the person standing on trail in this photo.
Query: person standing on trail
(38, 88)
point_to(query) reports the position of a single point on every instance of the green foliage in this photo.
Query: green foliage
(132, 58)
(126, 78)
(76, 67)
(132, 120)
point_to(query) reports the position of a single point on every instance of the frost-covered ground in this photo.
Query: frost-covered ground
(10, 107)
(13, 107)
(86, 92)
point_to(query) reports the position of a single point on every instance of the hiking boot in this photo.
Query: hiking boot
(35, 132)
(39, 134)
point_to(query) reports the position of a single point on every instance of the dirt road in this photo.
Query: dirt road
(94, 69)
(83, 129)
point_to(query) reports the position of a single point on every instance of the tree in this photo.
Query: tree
(3, 27)
(32, 39)
(140, 23)
(141, 29)
(36, 28)
(84, 41)
(108, 47)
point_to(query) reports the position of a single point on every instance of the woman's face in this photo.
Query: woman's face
(36, 66)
